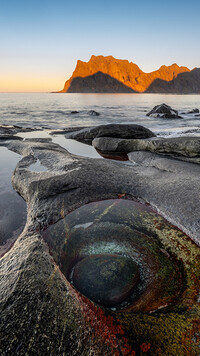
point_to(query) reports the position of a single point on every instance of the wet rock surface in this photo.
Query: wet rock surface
(114, 231)
(42, 313)
(12, 130)
(164, 111)
(182, 147)
(112, 130)
(9, 132)
(193, 111)
(93, 113)
(74, 112)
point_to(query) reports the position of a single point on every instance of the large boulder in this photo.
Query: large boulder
(127, 131)
(180, 146)
(114, 145)
(164, 111)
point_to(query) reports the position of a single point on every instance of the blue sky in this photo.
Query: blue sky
(42, 40)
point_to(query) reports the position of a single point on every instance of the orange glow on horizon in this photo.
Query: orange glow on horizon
(30, 83)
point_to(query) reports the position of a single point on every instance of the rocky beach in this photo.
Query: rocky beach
(99, 178)
(108, 261)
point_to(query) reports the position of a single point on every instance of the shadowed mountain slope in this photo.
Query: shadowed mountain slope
(98, 83)
(184, 83)
(90, 79)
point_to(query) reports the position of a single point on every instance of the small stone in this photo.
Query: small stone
(93, 113)
(74, 112)
(194, 111)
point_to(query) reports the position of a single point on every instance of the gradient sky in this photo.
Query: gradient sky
(41, 40)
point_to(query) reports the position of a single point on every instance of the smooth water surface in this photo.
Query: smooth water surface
(53, 111)
(37, 167)
(72, 146)
(12, 206)
(75, 147)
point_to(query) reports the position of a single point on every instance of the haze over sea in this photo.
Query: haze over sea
(53, 111)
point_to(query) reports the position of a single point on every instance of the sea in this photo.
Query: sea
(50, 111)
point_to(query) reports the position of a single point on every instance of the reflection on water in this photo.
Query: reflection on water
(12, 206)
(37, 167)
(34, 134)
(120, 156)
(72, 146)
(76, 148)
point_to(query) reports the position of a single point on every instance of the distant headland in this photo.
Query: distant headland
(109, 75)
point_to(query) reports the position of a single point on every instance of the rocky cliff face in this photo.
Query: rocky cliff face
(107, 74)
(184, 83)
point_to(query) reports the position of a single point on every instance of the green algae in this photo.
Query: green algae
(162, 318)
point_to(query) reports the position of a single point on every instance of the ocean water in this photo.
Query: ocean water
(53, 111)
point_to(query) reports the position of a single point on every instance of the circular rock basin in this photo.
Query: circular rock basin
(106, 279)
(115, 253)
(140, 272)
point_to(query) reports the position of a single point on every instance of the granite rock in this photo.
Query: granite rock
(182, 147)
(164, 111)
(112, 130)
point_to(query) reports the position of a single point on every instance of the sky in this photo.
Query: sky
(41, 40)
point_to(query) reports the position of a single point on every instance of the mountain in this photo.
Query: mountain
(109, 75)
(184, 83)
(97, 83)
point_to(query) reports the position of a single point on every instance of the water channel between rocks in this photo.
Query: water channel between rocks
(72, 146)
(12, 206)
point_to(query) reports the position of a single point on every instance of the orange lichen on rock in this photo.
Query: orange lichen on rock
(105, 328)
(145, 347)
